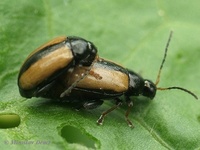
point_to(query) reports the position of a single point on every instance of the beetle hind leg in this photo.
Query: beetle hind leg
(81, 77)
(92, 104)
(43, 90)
(101, 118)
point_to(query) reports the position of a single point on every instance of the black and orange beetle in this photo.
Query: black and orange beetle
(104, 80)
(52, 59)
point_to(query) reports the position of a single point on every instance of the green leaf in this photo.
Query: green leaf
(131, 33)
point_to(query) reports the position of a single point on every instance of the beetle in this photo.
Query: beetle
(87, 86)
(105, 80)
(52, 59)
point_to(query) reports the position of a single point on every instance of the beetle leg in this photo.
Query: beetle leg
(68, 90)
(130, 105)
(101, 118)
(83, 75)
(41, 91)
(92, 104)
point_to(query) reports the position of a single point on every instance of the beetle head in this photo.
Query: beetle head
(84, 51)
(149, 89)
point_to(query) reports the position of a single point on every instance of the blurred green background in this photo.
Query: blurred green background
(132, 33)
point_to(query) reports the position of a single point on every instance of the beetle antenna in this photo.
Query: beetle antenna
(163, 61)
(161, 66)
(179, 88)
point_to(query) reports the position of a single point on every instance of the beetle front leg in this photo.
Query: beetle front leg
(130, 105)
(101, 118)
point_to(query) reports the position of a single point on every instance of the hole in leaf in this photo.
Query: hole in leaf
(9, 120)
(74, 135)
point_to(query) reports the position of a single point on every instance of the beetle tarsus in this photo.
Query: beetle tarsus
(100, 120)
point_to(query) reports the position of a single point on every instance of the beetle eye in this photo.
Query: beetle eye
(149, 89)
(92, 48)
(147, 84)
(89, 45)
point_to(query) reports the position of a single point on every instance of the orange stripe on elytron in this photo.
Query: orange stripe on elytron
(45, 67)
(52, 42)
(100, 79)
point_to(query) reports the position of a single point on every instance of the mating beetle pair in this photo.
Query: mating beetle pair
(69, 69)
(44, 65)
